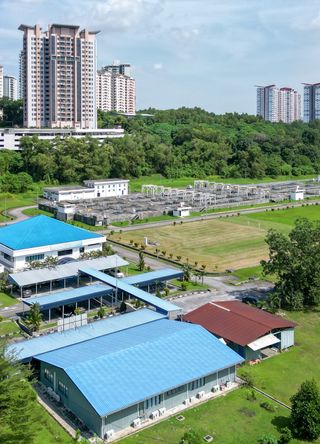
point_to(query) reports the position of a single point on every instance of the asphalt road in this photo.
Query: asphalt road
(17, 214)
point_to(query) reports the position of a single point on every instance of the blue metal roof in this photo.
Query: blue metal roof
(126, 367)
(70, 296)
(121, 285)
(165, 274)
(26, 350)
(42, 230)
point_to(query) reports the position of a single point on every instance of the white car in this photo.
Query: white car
(116, 273)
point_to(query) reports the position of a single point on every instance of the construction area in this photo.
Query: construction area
(202, 196)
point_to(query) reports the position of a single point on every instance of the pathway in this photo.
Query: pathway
(17, 214)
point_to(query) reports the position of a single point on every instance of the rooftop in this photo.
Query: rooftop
(164, 354)
(68, 188)
(25, 350)
(236, 321)
(40, 231)
(68, 270)
(106, 180)
(165, 274)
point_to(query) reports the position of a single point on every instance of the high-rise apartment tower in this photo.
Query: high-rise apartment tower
(1, 81)
(278, 104)
(58, 77)
(311, 102)
(10, 87)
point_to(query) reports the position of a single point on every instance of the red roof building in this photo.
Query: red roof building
(248, 330)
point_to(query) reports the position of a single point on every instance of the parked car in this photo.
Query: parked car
(116, 273)
(250, 300)
(27, 293)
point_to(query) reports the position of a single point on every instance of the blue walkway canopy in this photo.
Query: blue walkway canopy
(26, 350)
(166, 274)
(60, 298)
(160, 305)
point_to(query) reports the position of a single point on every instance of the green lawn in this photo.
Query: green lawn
(236, 242)
(6, 300)
(191, 286)
(282, 375)
(231, 419)
(36, 212)
(158, 179)
(7, 327)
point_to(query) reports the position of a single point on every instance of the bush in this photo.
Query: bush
(286, 436)
(183, 286)
(268, 439)
(251, 396)
(267, 406)
(247, 378)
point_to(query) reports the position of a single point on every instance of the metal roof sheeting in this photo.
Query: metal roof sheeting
(121, 285)
(25, 350)
(70, 296)
(235, 321)
(264, 342)
(165, 274)
(124, 368)
(42, 230)
(37, 276)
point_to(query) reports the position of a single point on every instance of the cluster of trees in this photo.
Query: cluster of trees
(12, 112)
(175, 143)
(295, 261)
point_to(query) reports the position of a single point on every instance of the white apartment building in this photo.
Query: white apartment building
(10, 87)
(1, 81)
(58, 75)
(311, 102)
(10, 138)
(278, 104)
(92, 189)
(116, 90)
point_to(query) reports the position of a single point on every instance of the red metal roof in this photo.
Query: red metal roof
(236, 321)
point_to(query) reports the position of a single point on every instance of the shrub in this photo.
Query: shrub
(268, 439)
(267, 406)
(286, 436)
(183, 286)
(247, 378)
(251, 396)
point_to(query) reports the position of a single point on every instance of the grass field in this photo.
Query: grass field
(282, 375)
(230, 419)
(6, 300)
(7, 327)
(226, 243)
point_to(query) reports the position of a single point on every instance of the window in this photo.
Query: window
(48, 375)
(34, 257)
(81, 249)
(64, 252)
(149, 403)
(7, 257)
(197, 383)
(175, 390)
(63, 389)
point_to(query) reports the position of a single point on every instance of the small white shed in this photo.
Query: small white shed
(182, 211)
(298, 194)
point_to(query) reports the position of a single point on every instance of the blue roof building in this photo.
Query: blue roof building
(125, 377)
(38, 237)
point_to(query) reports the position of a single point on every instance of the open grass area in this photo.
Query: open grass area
(181, 182)
(6, 300)
(282, 375)
(230, 419)
(7, 327)
(36, 212)
(226, 243)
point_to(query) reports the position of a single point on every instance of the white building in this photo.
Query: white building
(1, 81)
(10, 137)
(10, 87)
(93, 189)
(182, 211)
(58, 71)
(108, 187)
(116, 89)
(297, 194)
(36, 238)
(278, 104)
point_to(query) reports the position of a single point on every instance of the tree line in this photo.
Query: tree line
(174, 143)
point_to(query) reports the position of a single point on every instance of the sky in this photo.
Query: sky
(206, 53)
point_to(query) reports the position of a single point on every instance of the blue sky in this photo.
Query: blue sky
(207, 53)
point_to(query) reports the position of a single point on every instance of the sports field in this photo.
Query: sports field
(225, 243)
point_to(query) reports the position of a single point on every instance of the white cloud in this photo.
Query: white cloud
(157, 66)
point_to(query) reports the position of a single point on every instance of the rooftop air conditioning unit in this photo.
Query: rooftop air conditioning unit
(154, 414)
(162, 411)
(201, 394)
(186, 402)
(192, 399)
(136, 423)
(215, 388)
(108, 434)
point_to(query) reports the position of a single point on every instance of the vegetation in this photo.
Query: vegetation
(305, 413)
(141, 264)
(221, 243)
(34, 317)
(295, 262)
(6, 300)
(12, 112)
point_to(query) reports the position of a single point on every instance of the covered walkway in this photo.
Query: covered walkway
(147, 280)
(161, 306)
(70, 297)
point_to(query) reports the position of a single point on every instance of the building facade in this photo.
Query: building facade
(10, 138)
(10, 87)
(36, 238)
(311, 102)
(58, 77)
(1, 81)
(278, 104)
(116, 90)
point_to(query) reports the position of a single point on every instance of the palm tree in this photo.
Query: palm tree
(34, 317)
